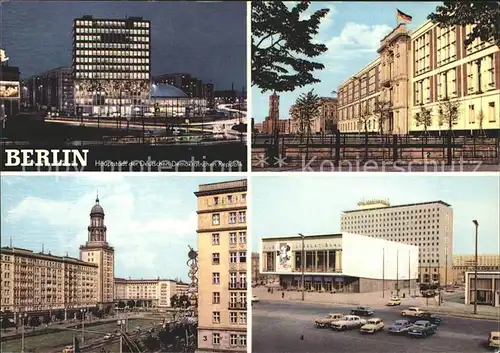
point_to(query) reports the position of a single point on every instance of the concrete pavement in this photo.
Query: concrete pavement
(379, 300)
(277, 328)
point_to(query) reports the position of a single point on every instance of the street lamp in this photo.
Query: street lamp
(83, 311)
(476, 224)
(23, 318)
(302, 263)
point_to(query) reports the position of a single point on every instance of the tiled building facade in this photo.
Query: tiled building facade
(222, 267)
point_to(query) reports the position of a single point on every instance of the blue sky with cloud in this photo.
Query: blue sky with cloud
(352, 32)
(308, 204)
(151, 220)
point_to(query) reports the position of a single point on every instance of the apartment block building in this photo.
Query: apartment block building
(421, 68)
(467, 262)
(37, 282)
(222, 266)
(98, 251)
(145, 292)
(428, 225)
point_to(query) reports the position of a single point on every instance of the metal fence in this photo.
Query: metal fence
(294, 151)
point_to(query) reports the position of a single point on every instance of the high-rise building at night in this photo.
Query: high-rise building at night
(111, 65)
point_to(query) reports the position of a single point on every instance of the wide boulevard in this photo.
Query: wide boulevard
(278, 327)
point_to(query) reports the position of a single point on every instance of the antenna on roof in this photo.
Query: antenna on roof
(10, 242)
(42, 248)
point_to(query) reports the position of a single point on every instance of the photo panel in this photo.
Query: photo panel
(124, 263)
(381, 86)
(124, 86)
(389, 257)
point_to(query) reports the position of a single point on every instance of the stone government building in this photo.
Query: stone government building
(420, 68)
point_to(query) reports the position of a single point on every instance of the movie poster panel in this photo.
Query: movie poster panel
(284, 258)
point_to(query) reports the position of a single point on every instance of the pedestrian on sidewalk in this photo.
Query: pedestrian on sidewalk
(282, 295)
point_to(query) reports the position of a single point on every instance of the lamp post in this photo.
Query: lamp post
(83, 324)
(476, 224)
(23, 318)
(302, 263)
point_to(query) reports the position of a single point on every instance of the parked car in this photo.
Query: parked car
(108, 336)
(372, 325)
(494, 339)
(400, 326)
(328, 320)
(68, 349)
(422, 328)
(394, 301)
(412, 311)
(362, 311)
(433, 319)
(348, 322)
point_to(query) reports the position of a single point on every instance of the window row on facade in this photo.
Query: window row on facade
(110, 23)
(234, 257)
(112, 75)
(124, 68)
(229, 199)
(96, 30)
(232, 218)
(107, 45)
(113, 60)
(234, 277)
(234, 238)
(235, 340)
(235, 317)
(117, 53)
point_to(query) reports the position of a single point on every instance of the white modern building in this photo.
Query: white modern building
(428, 225)
(343, 261)
(488, 288)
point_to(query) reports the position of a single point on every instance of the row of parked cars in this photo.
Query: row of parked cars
(418, 324)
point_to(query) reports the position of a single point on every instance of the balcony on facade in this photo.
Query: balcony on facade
(237, 285)
(237, 306)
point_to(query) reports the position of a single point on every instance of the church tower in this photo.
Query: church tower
(98, 251)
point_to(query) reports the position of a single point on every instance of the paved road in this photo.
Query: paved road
(277, 327)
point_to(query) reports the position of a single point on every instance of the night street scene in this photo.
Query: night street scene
(142, 86)
(375, 86)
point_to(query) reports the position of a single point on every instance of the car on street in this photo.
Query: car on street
(494, 339)
(68, 349)
(433, 319)
(372, 325)
(108, 336)
(362, 311)
(328, 319)
(422, 328)
(348, 322)
(412, 311)
(255, 299)
(400, 326)
(394, 301)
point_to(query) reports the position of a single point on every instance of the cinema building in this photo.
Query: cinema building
(339, 262)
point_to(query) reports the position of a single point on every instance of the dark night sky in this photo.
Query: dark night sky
(207, 40)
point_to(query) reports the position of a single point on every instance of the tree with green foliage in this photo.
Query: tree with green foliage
(382, 111)
(307, 108)
(448, 113)
(282, 44)
(423, 118)
(484, 15)
(121, 304)
(174, 301)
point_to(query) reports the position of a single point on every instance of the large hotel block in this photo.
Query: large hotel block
(421, 68)
(111, 65)
(222, 263)
(428, 225)
(339, 262)
(42, 282)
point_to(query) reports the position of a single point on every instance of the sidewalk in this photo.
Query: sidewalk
(378, 300)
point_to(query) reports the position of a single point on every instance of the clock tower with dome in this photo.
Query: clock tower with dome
(97, 250)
